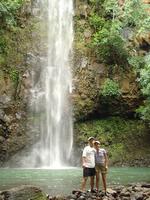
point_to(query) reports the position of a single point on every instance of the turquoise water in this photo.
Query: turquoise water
(63, 181)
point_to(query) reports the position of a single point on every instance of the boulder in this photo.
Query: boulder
(26, 192)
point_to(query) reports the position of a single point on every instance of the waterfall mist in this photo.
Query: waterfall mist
(50, 94)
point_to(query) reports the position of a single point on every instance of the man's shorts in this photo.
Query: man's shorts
(88, 172)
(100, 168)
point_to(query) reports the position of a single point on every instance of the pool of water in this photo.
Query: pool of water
(63, 181)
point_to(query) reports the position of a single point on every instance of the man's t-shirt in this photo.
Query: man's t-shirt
(100, 156)
(89, 154)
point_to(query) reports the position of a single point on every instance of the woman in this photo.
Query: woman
(101, 165)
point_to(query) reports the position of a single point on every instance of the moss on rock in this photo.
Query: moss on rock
(23, 193)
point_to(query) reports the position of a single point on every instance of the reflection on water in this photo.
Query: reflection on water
(63, 181)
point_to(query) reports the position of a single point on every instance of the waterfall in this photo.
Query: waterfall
(50, 99)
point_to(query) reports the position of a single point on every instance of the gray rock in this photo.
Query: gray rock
(73, 196)
(132, 196)
(112, 192)
(2, 139)
(84, 62)
(125, 198)
(105, 198)
(87, 33)
(5, 99)
(125, 193)
(139, 196)
(18, 115)
(31, 58)
(8, 118)
(2, 197)
(23, 193)
(2, 114)
(138, 188)
(148, 198)
(81, 198)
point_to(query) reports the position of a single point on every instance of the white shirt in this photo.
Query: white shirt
(89, 154)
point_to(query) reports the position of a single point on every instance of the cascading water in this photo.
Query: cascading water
(50, 94)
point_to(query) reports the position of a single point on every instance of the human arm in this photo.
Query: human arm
(106, 160)
(83, 162)
(84, 157)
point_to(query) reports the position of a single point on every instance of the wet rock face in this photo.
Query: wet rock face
(81, 8)
(85, 93)
(89, 75)
(12, 116)
(12, 130)
(15, 81)
(88, 79)
(142, 41)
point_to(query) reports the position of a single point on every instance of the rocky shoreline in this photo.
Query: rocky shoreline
(131, 192)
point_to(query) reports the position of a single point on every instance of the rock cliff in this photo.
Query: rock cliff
(21, 49)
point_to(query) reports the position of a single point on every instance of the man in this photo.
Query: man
(101, 164)
(88, 164)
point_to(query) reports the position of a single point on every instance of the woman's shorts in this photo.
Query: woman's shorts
(88, 172)
(100, 168)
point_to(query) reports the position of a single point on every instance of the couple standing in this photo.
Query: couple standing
(94, 162)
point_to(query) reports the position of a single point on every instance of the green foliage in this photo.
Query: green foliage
(96, 3)
(111, 129)
(8, 11)
(115, 48)
(142, 66)
(137, 62)
(14, 75)
(144, 110)
(145, 80)
(108, 41)
(96, 21)
(120, 137)
(117, 152)
(112, 8)
(145, 84)
(110, 88)
(131, 14)
(2, 45)
(135, 15)
(117, 135)
(13, 40)
(110, 46)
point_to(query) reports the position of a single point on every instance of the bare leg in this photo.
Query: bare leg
(97, 180)
(84, 180)
(92, 182)
(104, 181)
